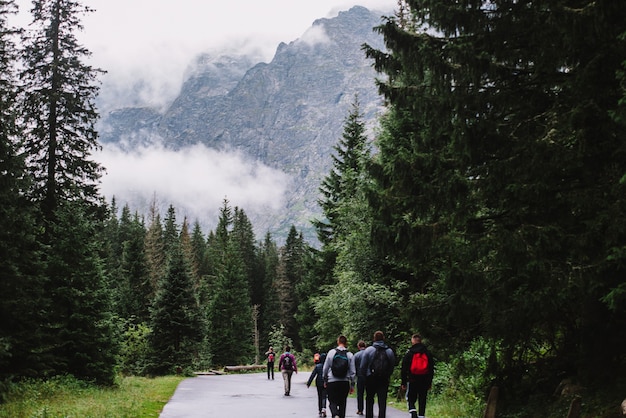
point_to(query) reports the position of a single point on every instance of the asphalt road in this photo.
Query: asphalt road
(250, 395)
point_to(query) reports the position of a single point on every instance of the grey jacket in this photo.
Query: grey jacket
(328, 373)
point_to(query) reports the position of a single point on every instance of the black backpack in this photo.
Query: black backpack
(287, 362)
(340, 363)
(381, 363)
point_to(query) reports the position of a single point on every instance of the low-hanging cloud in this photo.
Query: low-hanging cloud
(195, 180)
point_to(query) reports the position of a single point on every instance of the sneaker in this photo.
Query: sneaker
(323, 413)
(359, 412)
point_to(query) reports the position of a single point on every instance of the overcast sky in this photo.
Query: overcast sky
(155, 41)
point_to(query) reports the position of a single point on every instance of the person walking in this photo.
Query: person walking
(377, 364)
(416, 375)
(318, 375)
(360, 379)
(270, 355)
(287, 366)
(339, 372)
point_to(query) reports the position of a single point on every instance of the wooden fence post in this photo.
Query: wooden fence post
(490, 412)
(575, 408)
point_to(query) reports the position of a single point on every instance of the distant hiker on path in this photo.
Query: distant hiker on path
(287, 365)
(270, 355)
(417, 374)
(360, 379)
(318, 375)
(377, 364)
(339, 372)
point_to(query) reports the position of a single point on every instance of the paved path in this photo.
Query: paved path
(250, 395)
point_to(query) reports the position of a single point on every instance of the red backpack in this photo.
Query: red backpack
(419, 364)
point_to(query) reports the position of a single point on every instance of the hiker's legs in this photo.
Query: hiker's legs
(370, 392)
(344, 390)
(360, 392)
(287, 380)
(321, 398)
(422, 401)
(411, 397)
(332, 390)
(381, 393)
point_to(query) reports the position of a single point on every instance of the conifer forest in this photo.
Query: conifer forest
(488, 213)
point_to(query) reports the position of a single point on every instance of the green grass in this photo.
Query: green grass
(133, 397)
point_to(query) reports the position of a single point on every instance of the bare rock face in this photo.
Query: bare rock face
(288, 113)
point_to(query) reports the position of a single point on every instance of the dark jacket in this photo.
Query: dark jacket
(318, 375)
(368, 356)
(405, 373)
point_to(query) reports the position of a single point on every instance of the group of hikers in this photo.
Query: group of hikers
(369, 369)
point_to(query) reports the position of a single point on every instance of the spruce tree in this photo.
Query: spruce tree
(58, 111)
(58, 115)
(290, 271)
(155, 249)
(21, 280)
(136, 297)
(229, 310)
(176, 319)
(269, 311)
(497, 179)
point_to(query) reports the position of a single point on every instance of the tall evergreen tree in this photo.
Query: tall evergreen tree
(176, 321)
(137, 290)
(21, 281)
(269, 311)
(229, 310)
(289, 273)
(58, 116)
(497, 181)
(80, 330)
(59, 112)
(155, 248)
(357, 299)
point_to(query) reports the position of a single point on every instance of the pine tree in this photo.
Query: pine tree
(269, 311)
(58, 116)
(229, 310)
(497, 178)
(290, 270)
(58, 112)
(155, 249)
(176, 320)
(21, 281)
(136, 299)
(79, 325)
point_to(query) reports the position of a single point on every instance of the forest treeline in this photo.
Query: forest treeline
(487, 213)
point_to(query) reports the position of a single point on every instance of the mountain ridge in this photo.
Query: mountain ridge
(287, 113)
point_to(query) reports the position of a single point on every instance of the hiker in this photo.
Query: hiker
(416, 375)
(339, 372)
(270, 355)
(360, 379)
(318, 375)
(377, 363)
(287, 365)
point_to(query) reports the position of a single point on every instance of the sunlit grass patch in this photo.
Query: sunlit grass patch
(67, 397)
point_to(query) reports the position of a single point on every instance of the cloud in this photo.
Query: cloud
(314, 36)
(195, 180)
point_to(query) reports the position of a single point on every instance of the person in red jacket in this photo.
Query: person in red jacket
(417, 373)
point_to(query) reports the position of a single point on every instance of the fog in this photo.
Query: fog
(146, 47)
(195, 180)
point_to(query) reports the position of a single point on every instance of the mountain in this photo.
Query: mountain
(287, 114)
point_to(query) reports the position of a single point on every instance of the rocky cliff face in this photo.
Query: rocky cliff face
(287, 113)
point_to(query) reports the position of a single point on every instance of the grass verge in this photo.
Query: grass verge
(133, 397)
